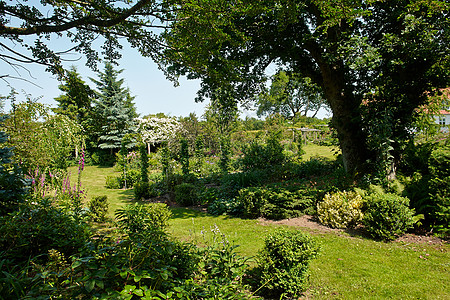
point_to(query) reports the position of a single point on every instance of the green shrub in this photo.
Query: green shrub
(315, 166)
(257, 156)
(275, 204)
(282, 264)
(98, 207)
(136, 217)
(232, 183)
(186, 194)
(133, 176)
(113, 182)
(118, 182)
(340, 210)
(386, 216)
(229, 206)
(141, 190)
(208, 195)
(36, 228)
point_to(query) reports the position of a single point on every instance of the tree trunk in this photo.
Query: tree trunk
(346, 120)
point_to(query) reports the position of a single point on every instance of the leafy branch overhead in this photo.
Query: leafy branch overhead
(366, 56)
(81, 23)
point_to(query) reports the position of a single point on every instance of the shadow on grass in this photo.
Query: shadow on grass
(126, 195)
(187, 212)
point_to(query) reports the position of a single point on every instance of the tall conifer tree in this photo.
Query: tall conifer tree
(115, 109)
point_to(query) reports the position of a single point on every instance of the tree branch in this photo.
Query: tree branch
(93, 20)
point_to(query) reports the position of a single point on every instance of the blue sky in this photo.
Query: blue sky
(153, 92)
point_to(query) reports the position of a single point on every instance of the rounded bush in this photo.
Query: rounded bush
(113, 182)
(340, 209)
(282, 269)
(387, 216)
(135, 218)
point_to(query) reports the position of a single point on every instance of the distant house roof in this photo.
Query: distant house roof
(444, 112)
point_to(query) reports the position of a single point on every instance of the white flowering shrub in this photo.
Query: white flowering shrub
(340, 210)
(155, 130)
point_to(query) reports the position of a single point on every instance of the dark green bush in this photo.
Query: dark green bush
(275, 204)
(98, 207)
(12, 183)
(258, 156)
(232, 183)
(282, 264)
(141, 190)
(36, 228)
(208, 195)
(386, 216)
(429, 188)
(186, 194)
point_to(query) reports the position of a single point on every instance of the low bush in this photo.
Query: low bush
(186, 194)
(273, 204)
(386, 216)
(117, 182)
(340, 209)
(208, 195)
(135, 218)
(98, 207)
(113, 182)
(229, 206)
(34, 229)
(141, 191)
(282, 264)
(232, 183)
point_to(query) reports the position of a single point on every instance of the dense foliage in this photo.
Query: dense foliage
(340, 209)
(387, 216)
(282, 269)
(369, 58)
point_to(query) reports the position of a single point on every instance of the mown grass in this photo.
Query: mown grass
(312, 150)
(347, 268)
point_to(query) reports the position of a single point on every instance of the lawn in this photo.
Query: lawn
(349, 267)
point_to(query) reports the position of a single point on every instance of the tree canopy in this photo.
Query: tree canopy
(290, 95)
(365, 55)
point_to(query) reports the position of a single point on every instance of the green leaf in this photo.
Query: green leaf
(89, 285)
(138, 292)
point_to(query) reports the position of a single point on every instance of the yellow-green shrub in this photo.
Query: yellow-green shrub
(340, 209)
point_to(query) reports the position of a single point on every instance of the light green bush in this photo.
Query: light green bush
(113, 182)
(387, 216)
(135, 218)
(282, 270)
(340, 209)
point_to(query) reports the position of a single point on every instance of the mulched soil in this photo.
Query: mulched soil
(313, 224)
